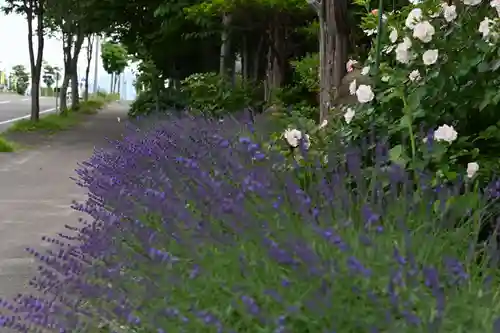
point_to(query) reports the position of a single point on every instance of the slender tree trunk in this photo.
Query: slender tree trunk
(115, 85)
(256, 59)
(35, 64)
(118, 84)
(339, 25)
(326, 54)
(63, 92)
(244, 60)
(67, 46)
(75, 87)
(90, 52)
(225, 47)
(111, 83)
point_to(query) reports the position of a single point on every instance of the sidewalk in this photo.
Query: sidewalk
(36, 192)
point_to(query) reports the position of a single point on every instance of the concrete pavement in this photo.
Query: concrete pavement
(14, 107)
(36, 193)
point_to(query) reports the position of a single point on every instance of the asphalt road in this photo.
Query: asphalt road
(15, 107)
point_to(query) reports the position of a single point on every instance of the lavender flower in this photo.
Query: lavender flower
(190, 228)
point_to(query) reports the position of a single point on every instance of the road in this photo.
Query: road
(15, 107)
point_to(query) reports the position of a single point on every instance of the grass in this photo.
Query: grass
(6, 146)
(91, 106)
(57, 122)
(50, 123)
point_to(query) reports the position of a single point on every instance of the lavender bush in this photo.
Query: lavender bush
(193, 229)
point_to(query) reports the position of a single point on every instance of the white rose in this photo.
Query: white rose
(403, 55)
(407, 42)
(293, 137)
(413, 18)
(472, 168)
(323, 124)
(414, 75)
(449, 12)
(415, 2)
(484, 27)
(385, 78)
(364, 94)
(350, 65)
(472, 2)
(388, 48)
(445, 133)
(393, 36)
(365, 70)
(430, 57)
(370, 32)
(424, 31)
(348, 115)
(352, 87)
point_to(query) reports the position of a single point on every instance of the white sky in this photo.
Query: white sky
(14, 51)
(14, 45)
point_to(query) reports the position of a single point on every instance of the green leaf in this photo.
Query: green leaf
(396, 155)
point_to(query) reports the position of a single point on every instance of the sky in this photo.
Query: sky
(14, 51)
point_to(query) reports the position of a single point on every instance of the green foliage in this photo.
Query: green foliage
(168, 100)
(92, 106)
(458, 90)
(212, 95)
(114, 57)
(21, 78)
(307, 70)
(6, 146)
(49, 74)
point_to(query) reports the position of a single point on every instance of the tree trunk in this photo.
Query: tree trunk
(63, 92)
(36, 65)
(256, 59)
(244, 60)
(225, 47)
(275, 56)
(326, 54)
(111, 83)
(90, 49)
(67, 46)
(339, 26)
(115, 83)
(118, 84)
(75, 87)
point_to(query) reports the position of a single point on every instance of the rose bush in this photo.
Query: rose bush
(439, 72)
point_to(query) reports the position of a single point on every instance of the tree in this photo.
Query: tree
(34, 11)
(333, 43)
(114, 60)
(21, 78)
(89, 51)
(49, 75)
(76, 20)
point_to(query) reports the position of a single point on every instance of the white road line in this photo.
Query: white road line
(25, 99)
(24, 117)
(4, 102)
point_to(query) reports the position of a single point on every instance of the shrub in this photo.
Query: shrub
(145, 103)
(91, 106)
(212, 95)
(440, 69)
(193, 229)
